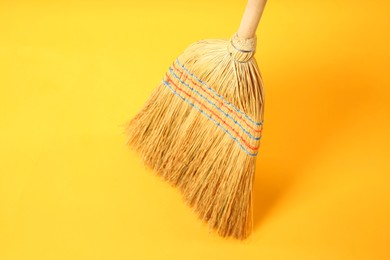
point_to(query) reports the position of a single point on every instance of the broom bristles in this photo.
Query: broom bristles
(201, 128)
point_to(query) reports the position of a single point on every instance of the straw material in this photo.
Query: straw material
(201, 127)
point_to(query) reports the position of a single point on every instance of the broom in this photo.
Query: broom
(201, 127)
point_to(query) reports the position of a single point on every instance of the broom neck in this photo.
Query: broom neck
(251, 18)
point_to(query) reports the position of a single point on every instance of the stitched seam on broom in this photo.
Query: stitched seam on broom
(227, 102)
(212, 112)
(216, 100)
(238, 135)
(215, 122)
(211, 103)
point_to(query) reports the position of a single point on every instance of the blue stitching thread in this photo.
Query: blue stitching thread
(211, 103)
(215, 122)
(231, 105)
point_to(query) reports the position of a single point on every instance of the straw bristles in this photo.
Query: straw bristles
(200, 130)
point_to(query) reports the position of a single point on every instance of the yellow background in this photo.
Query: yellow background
(71, 72)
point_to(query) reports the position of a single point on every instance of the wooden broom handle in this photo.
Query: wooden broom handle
(250, 20)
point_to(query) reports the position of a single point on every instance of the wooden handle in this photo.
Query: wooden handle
(251, 18)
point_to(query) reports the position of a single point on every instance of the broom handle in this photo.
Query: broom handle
(250, 20)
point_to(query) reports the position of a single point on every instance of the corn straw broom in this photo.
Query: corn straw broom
(201, 127)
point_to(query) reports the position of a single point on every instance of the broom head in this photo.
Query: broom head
(200, 130)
